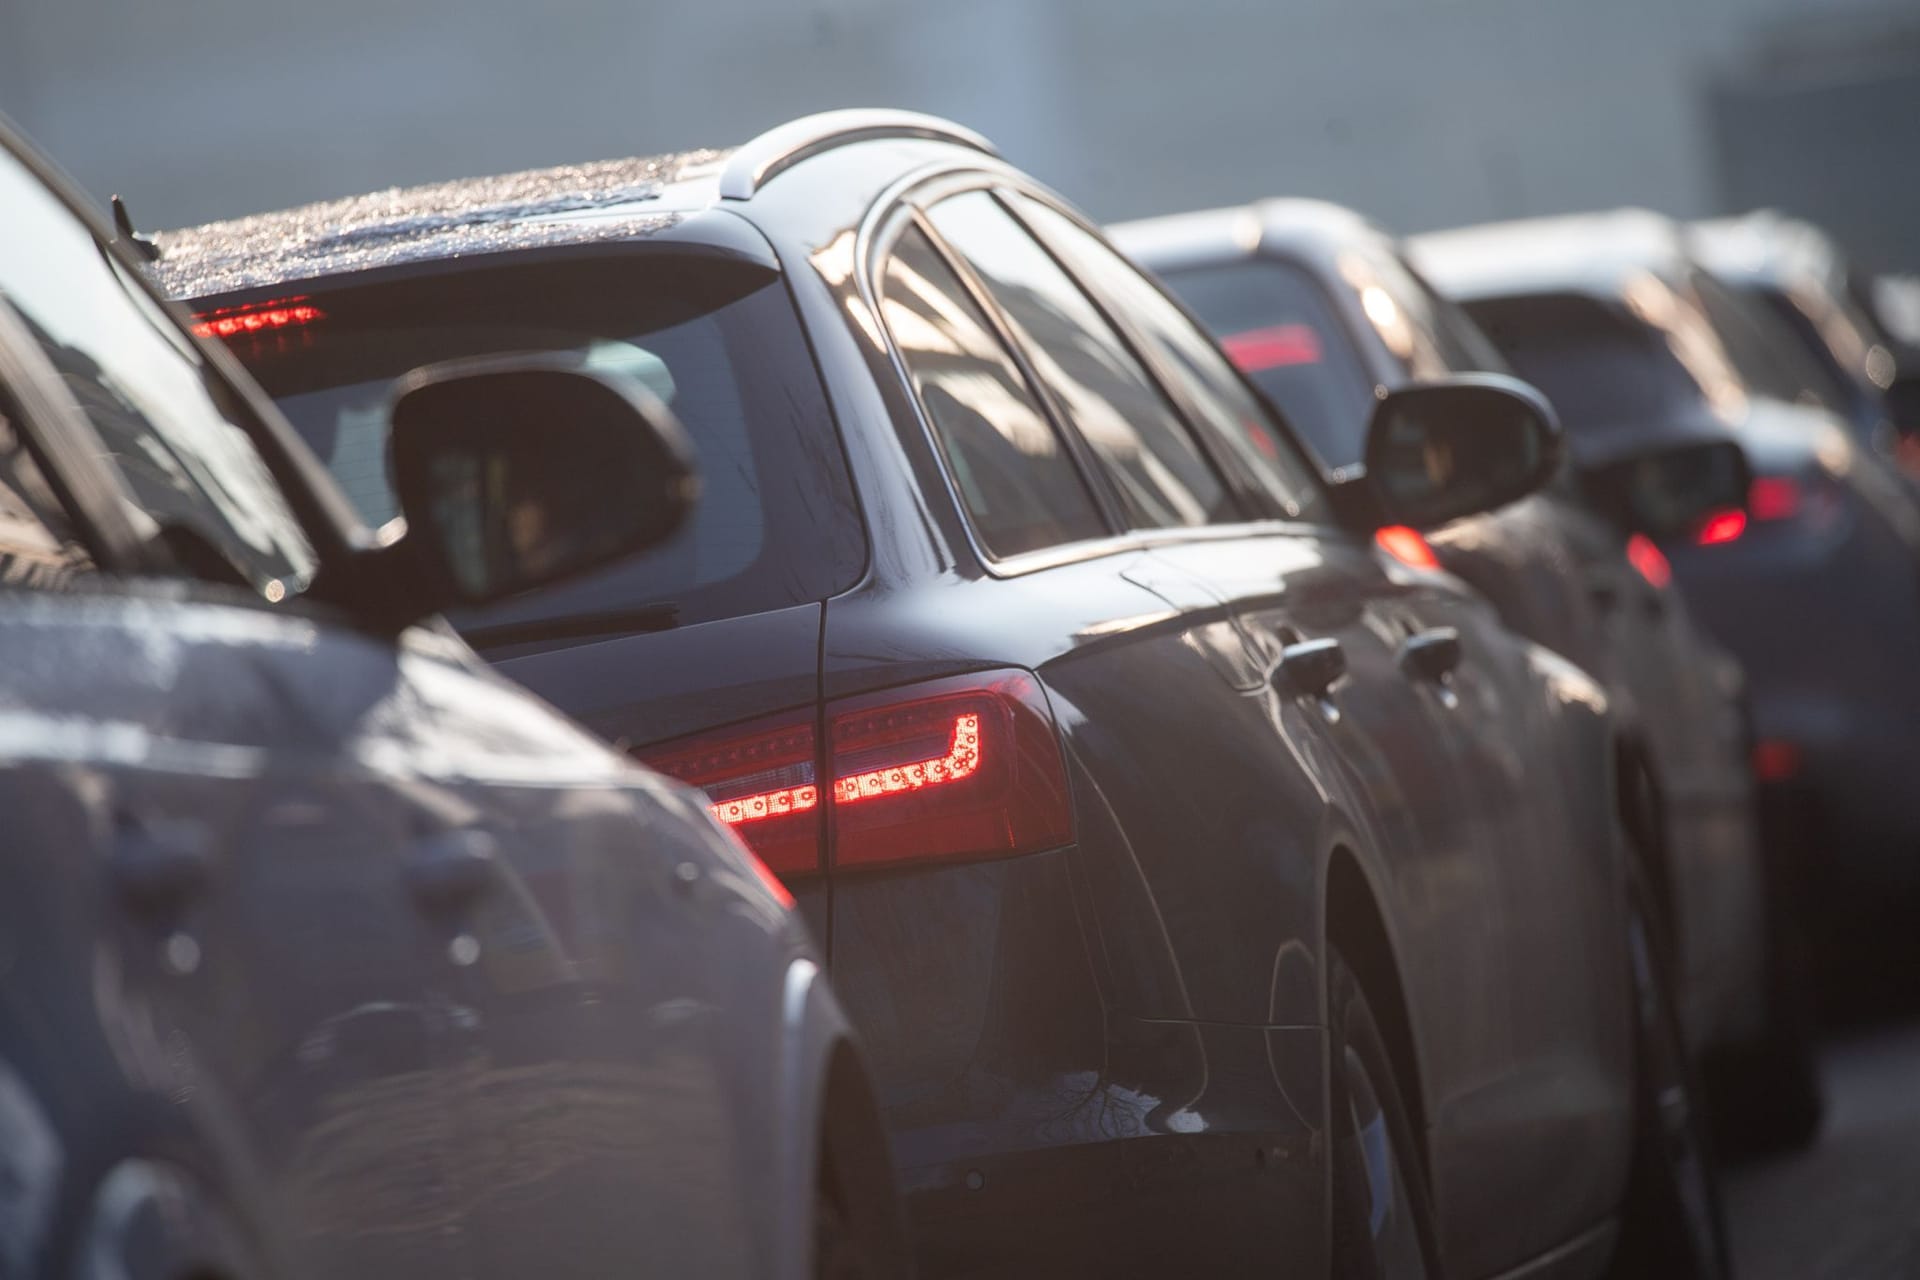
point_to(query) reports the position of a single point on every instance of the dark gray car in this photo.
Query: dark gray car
(1814, 583)
(1321, 308)
(325, 950)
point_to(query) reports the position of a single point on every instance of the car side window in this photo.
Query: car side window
(38, 543)
(1404, 312)
(1017, 481)
(1155, 465)
(193, 478)
(1227, 410)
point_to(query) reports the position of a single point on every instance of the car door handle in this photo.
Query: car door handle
(1432, 654)
(450, 869)
(1309, 667)
(159, 864)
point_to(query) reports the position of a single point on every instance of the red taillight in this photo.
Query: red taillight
(1773, 498)
(1273, 347)
(962, 768)
(1775, 761)
(1406, 545)
(1649, 561)
(281, 313)
(761, 781)
(1721, 527)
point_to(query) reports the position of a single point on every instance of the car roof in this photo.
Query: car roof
(1597, 254)
(1311, 230)
(575, 204)
(1768, 248)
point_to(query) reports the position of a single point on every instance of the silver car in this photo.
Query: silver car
(324, 950)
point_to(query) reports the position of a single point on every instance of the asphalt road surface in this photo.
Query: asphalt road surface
(1849, 1208)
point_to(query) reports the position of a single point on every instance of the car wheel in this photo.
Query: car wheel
(1767, 1094)
(1382, 1218)
(836, 1250)
(1672, 1226)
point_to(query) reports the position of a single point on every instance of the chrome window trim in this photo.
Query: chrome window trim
(901, 205)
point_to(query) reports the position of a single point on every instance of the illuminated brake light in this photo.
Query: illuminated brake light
(1775, 761)
(1649, 561)
(1274, 347)
(961, 760)
(1773, 498)
(1406, 545)
(1721, 527)
(281, 313)
(961, 768)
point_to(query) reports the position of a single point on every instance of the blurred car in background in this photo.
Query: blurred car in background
(1801, 277)
(327, 951)
(1214, 893)
(1814, 583)
(1320, 308)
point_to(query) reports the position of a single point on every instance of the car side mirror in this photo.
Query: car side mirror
(514, 472)
(1669, 492)
(1438, 451)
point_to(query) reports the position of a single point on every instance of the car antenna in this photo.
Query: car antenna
(123, 223)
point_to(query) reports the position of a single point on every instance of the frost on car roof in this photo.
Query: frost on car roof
(448, 219)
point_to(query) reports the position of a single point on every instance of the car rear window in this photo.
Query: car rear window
(1280, 327)
(717, 341)
(1603, 370)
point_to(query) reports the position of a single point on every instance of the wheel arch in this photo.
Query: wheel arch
(830, 1125)
(1353, 920)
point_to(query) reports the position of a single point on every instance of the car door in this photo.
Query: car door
(1443, 722)
(269, 998)
(604, 1113)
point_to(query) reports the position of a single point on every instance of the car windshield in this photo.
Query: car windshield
(718, 342)
(1603, 370)
(1279, 326)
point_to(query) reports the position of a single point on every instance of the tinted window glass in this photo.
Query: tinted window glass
(1226, 409)
(1602, 370)
(1404, 312)
(1770, 361)
(173, 431)
(717, 341)
(1279, 326)
(38, 545)
(1157, 468)
(1018, 483)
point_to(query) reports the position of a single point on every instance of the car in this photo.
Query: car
(1212, 892)
(1813, 583)
(327, 951)
(1803, 281)
(1320, 307)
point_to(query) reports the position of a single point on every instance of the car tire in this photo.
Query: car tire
(837, 1254)
(1382, 1215)
(1767, 1093)
(1672, 1224)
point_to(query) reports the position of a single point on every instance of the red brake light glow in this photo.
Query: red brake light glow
(1721, 527)
(1773, 498)
(1406, 545)
(962, 768)
(1775, 761)
(1273, 347)
(1650, 561)
(281, 313)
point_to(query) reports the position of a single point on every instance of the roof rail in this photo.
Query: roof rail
(782, 147)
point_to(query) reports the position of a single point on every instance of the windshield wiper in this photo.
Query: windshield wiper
(576, 626)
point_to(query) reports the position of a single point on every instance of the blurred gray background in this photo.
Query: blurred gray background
(1425, 113)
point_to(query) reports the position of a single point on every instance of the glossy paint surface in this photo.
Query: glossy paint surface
(1558, 575)
(326, 951)
(1110, 1056)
